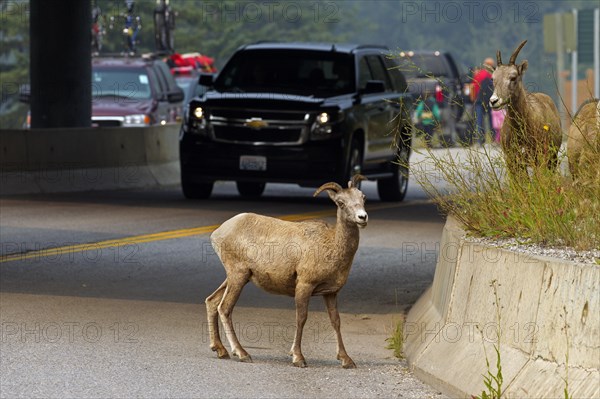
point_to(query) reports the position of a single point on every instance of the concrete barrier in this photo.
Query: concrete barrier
(547, 308)
(62, 160)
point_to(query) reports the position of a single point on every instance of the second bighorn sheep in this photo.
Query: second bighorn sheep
(583, 143)
(531, 134)
(298, 259)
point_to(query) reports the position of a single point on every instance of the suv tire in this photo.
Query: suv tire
(250, 189)
(354, 162)
(394, 188)
(195, 190)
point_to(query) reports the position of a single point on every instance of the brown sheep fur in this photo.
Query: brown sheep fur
(531, 134)
(583, 143)
(298, 259)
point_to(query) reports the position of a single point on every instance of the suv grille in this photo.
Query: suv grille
(259, 127)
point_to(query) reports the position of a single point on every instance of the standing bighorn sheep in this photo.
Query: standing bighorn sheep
(299, 259)
(531, 134)
(583, 143)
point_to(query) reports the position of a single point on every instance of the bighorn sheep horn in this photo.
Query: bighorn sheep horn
(336, 188)
(498, 58)
(513, 57)
(355, 181)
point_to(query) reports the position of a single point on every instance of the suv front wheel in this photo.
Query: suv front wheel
(195, 190)
(394, 188)
(354, 162)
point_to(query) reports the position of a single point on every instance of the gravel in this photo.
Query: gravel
(565, 253)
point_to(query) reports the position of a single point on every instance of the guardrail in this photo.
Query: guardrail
(86, 159)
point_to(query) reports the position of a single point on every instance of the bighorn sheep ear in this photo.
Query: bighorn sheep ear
(523, 67)
(356, 179)
(513, 57)
(498, 58)
(331, 186)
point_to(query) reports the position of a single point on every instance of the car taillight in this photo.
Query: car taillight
(439, 96)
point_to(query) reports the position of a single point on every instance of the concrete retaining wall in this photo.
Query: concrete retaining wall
(447, 329)
(60, 160)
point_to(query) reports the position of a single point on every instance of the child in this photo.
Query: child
(427, 116)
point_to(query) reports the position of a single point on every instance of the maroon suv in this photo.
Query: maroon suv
(134, 92)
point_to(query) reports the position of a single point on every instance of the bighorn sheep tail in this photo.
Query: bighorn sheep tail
(328, 186)
(356, 179)
(513, 57)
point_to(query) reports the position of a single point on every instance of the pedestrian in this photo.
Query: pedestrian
(483, 88)
(427, 117)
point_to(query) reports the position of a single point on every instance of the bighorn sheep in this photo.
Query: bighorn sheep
(299, 259)
(583, 143)
(531, 134)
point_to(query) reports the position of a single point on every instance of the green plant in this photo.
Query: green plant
(493, 381)
(566, 379)
(396, 340)
(543, 207)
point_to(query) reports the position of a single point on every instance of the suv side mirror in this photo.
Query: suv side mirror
(175, 96)
(206, 79)
(373, 86)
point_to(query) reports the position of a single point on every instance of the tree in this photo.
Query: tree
(14, 61)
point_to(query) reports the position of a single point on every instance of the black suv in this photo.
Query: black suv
(299, 113)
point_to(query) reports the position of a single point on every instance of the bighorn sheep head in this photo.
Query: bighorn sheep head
(350, 201)
(508, 79)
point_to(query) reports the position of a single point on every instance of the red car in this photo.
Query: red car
(134, 92)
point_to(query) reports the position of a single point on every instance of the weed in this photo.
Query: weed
(566, 379)
(396, 340)
(493, 381)
(545, 207)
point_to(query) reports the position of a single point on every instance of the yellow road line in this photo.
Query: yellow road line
(165, 235)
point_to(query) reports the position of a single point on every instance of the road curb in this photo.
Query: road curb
(446, 330)
(69, 160)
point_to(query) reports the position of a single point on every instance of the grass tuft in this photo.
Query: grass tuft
(396, 340)
(542, 206)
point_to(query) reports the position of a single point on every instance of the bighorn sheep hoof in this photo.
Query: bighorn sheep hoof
(246, 359)
(221, 352)
(347, 362)
(300, 363)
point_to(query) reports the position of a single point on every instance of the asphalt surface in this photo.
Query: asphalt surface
(128, 320)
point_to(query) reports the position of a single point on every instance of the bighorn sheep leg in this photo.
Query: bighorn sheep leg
(235, 284)
(212, 303)
(334, 316)
(302, 297)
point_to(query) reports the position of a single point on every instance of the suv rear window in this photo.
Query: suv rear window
(423, 65)
(295, 72)
(127, 83)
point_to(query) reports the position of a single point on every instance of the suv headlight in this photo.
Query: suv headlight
(198, 113)
(197, 119)
(321, 125)
(324, 123)
(136, 120)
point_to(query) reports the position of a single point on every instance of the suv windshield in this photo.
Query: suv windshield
(318, 73)
(423, 65)
(126, 82)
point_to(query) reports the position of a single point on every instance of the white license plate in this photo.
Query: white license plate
(253, 162)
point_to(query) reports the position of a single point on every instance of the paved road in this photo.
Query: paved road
(116, 309)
